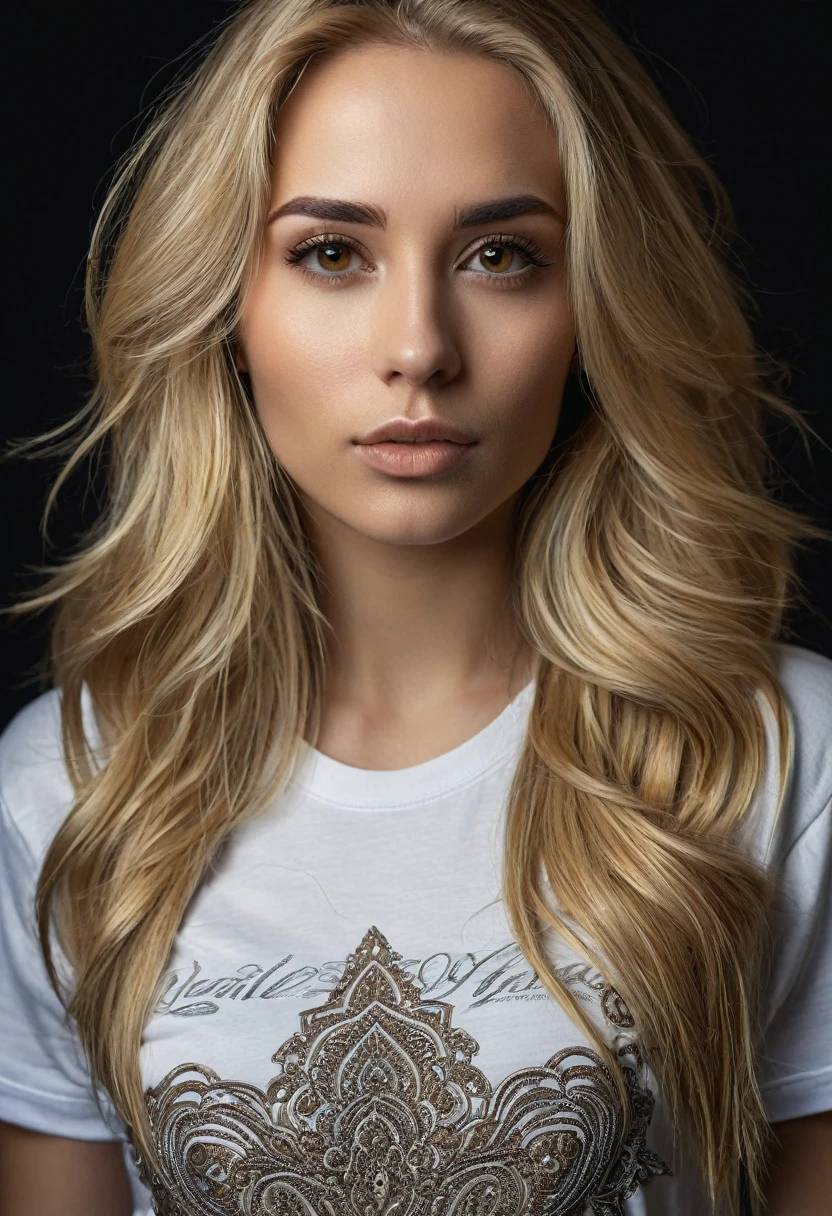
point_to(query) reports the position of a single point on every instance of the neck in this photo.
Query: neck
(416, 627)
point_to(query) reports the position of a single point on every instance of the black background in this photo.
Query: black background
(743, 78)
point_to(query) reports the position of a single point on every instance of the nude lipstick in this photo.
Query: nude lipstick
(425, 447)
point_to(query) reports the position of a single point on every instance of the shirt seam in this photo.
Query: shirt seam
(783, 1082)
(827, 806)
(48, 1095)
(16, 830)
(434, 796)
(35, 867)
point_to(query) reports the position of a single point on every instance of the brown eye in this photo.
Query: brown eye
(333, 257)
(496, 257)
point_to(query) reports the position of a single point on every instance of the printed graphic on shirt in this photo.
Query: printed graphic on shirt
(472, 979)
(484, 976)
(376, 1107)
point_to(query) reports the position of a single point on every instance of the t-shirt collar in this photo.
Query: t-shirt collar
(359, 789)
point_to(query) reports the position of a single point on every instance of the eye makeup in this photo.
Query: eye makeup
(334, 243)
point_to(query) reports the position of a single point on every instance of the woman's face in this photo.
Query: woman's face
(382, 297)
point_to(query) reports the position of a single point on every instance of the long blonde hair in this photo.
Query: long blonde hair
(652, 568)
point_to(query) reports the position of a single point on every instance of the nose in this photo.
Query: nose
(414, 339)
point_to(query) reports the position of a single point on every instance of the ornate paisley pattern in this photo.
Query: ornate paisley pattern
(377, 1110)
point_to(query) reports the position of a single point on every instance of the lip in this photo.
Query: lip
(427, 458)
(415, 430)
(420, 447)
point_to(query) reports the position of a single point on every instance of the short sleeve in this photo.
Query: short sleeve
(44, 1082)
(796, 1061)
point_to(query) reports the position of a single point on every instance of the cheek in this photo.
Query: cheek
(300, 367)
(283, 348)
(528, 369)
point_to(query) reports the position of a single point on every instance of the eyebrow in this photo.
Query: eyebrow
(341, 211)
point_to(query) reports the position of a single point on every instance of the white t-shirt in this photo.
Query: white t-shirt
(346, 1021)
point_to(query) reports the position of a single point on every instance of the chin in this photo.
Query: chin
(416, 528)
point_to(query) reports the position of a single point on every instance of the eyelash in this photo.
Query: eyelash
(535, 259)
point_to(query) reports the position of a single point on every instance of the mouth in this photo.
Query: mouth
(414, 458)
(412, 431)
(415, 447)
(435, 439)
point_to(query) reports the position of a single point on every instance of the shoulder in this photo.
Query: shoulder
(806, 681)
(35, 789)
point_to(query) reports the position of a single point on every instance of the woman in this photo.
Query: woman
(425, 818)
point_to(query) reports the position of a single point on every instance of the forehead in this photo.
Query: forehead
(408, 125)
